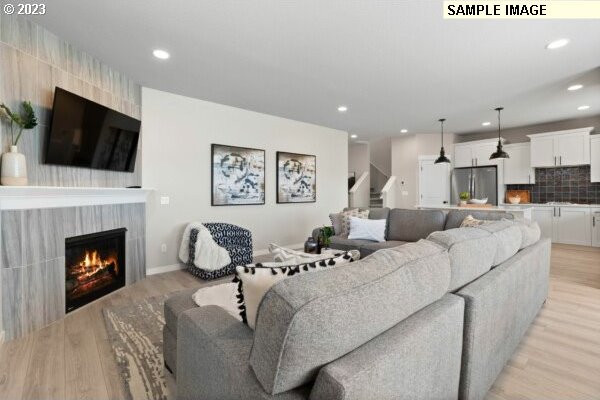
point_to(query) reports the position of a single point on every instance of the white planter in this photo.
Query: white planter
(14, 168)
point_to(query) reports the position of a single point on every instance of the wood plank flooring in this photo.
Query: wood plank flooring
(558, 359)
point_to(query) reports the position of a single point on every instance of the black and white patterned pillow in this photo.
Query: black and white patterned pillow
(255, 280)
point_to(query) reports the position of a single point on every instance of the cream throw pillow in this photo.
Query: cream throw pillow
(346, 219)
(255, 280)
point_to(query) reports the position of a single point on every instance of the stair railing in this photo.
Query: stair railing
(359, 194)
(388, 193)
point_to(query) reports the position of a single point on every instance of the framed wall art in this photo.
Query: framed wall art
(296, 178)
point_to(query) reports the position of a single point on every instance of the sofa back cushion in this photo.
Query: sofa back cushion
(508, 239)
(414, 225)
(471, 250)
(456, 217)
(309, 320)
(374, 213)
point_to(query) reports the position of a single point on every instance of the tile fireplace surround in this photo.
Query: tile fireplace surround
(34, 223)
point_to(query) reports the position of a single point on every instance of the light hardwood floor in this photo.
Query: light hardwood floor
(558, 359)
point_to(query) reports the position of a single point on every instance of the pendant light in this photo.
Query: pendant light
(499, 153)
(442, 158)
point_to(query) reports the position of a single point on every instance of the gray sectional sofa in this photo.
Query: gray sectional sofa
(437, 318)
(404, 226)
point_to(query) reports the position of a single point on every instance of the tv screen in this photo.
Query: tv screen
(87, 134)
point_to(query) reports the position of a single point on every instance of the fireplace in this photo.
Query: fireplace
(95, 266)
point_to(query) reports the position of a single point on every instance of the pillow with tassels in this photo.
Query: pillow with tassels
(255, 280)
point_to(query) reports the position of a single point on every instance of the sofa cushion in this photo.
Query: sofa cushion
(367, 249)
(336, 222)
(413, 225)
(346, 219)
(343, 243)
(530, 232)
(508, 239)
(313, 319)
(176, 304)
(471, 251)
(254, 280)
(456, 217)
(368, 229)
(375, 212)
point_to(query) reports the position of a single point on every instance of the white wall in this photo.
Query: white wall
(178, 132)
(358, 162)
(381, 154)
(405, 163)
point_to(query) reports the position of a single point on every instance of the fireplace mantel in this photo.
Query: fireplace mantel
(30, 197)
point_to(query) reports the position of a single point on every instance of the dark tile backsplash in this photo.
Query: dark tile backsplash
(570, 184)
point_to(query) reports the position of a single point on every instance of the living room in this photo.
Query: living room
(293, 200)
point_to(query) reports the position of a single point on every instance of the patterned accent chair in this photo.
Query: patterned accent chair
(236, 240)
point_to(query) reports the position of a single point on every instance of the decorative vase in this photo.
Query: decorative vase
(14, 168)
(311, 246)
(463, 203)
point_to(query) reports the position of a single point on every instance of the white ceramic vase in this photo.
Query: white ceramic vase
(14, 168)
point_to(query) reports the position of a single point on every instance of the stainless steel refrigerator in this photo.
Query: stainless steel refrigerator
(479, 182)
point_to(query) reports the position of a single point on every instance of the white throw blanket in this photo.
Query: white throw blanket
(208, 254)
(222, 295)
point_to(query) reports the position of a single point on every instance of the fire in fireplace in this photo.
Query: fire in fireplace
(95, 266)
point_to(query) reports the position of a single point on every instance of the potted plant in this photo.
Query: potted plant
(325, 237)
(14, 169)
(464, 197)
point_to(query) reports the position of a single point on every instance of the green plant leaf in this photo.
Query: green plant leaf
(29, 120)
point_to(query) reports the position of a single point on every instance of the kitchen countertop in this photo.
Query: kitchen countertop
(501, 207)
(548, 205)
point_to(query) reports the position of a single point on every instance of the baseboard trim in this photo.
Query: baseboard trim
(165, 268)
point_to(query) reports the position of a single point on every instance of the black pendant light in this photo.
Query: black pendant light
(442, 158)
(499, 153)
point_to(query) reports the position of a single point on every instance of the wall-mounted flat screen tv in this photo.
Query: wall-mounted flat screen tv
(87, 134)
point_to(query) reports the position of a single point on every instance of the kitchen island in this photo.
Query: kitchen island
(522, 212)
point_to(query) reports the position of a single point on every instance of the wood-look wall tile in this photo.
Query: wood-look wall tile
(75, 62)
(19, 33)
(46, 230)
(88, 220)
(111, 217)
(137, 95)
(53, 291)
(28, 145)
(12, 302)
(106, 76)
(116, 84)
(33, 293)
(12, 238)
(135, 269)
(52, 49)
(135, 219)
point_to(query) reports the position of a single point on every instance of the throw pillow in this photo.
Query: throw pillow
(292, 257)
(223, 295)
(336, 221)
(346, 219)
(255, 280)
(367, 229)
(530, 232)
(470, 222)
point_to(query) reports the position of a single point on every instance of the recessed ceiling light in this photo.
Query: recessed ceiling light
(584, 107)
(403, 130)
(353, 136)
(557, 44)
(574, 87)
(486, 123)
(162, 54)
(342, 108)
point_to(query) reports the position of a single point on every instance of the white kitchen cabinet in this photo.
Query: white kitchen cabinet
(595, 158)
(517, 168)
(568, 225)
(476, 153)
(573, 225)
(544, 216)
(596, 227)
(562, 148)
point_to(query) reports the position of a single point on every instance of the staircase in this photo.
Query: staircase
(375, 199)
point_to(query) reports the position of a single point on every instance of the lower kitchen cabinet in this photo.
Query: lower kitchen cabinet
(568, 225)
(596, 227)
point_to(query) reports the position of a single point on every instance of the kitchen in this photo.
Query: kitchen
(553, 179)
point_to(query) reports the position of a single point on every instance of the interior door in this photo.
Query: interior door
(542, 152)
(574, 226)
(434, 187)
(573, 149)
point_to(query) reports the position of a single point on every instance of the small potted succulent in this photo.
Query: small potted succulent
(464, 197)
(325, 237)
(14, 169)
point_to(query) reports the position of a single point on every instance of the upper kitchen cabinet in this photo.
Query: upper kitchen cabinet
(561, 149)
(517, 168)
(595, 158)
(476, 153)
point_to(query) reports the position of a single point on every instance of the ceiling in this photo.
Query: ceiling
(394, 64)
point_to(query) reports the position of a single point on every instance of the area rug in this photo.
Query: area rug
(135, 334)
